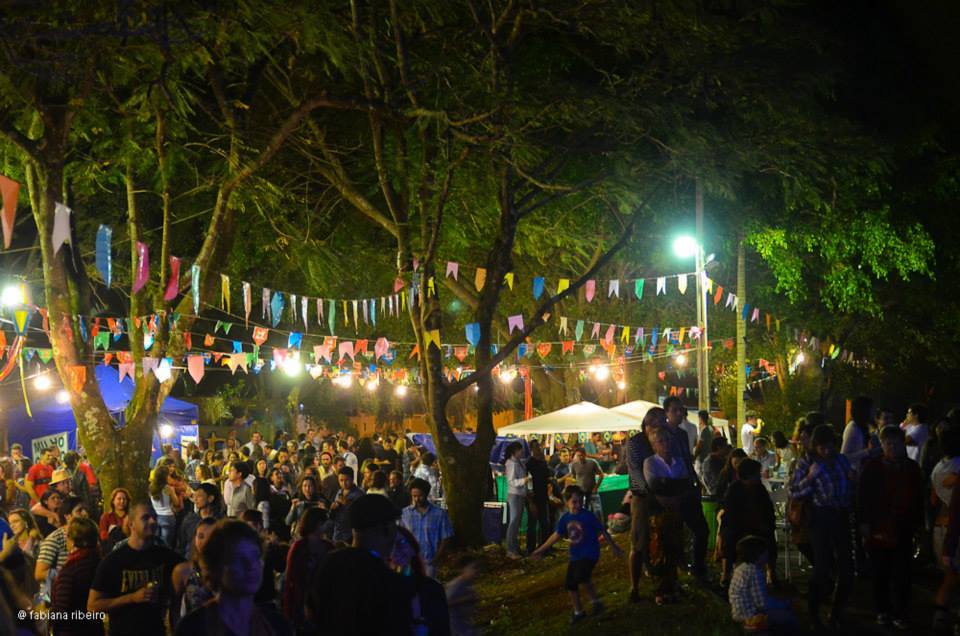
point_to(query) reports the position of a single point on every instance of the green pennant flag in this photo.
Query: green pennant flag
(101, 340)
(29, 353)
(332, 315)
(638, 288)
(252, 358)
(217, 326)
(227, 326)
(256, 351)
(175, 318)
(45, 355)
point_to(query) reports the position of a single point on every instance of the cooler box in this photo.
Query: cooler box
(611, 492)
(494, 525)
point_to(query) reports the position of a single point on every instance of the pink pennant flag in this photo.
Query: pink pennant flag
(453, 269)
(514, 322)
(10, 192)
(756, 315)
(304, 305)
(321, 352)
(595, 333)
(381, 348)
(397, 284)
(195, 367)
(345, 349)
(590, 289)
(608, 337)
(279, 357)
(143, 266)
(694, 333)
(173, 285)
(126, 369)
(265, 304)
(150, 364)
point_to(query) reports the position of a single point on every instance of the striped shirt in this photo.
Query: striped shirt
(53, 549)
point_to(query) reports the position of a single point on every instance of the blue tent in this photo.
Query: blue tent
(53, 422)
(496, 453)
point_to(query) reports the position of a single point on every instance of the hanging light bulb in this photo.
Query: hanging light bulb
(622, 385)
(801, 358)
(508, 376)
(62, 396)
(372, 384)
(680, 360)
(12, 296)
(602, 373)
(400, 391)
(42, 382)
(592, 369)
(292, 366)
(166, 431)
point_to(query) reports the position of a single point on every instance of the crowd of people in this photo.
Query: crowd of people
(305, 535)
(301, 536)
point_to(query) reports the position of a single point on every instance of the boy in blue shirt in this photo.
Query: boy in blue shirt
(583, 529)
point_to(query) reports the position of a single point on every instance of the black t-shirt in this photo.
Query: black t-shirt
(266, 621)
(540, 474)
(126, 570)
(355, 593)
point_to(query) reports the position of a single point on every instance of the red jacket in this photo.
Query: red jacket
(891, 495)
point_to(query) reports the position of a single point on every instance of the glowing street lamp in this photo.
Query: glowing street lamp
(12, 296)
(62, 396)
(680, 360)
(684, 247)
(602, 373)
(401, 390)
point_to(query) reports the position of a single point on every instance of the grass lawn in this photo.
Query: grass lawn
(527, 597)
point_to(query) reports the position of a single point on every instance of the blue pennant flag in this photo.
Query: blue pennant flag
(294, 341)
(103, 255)
(538, 287)
(237, 346)
(473, 333)
(276, 308)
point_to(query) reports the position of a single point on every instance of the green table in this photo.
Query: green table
(611, 492)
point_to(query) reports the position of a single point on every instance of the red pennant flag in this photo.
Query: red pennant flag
(360, 347)
(718, 295)
(195, 368)
(46, 320)
(10, 192)
(544, 349)
(187, 341)
(96, 328)
(567, 346)
(3, 343)
(460, 353)
(260, 335)
(107, 358)
(173, 286)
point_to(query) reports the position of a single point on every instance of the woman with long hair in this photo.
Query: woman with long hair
(114, 524)
(303, 559)
(25, 531)
(189, 590)
(165, 502)
(71, 587)
(232, 560)
(308, 496)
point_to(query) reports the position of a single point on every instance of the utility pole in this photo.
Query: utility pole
(741, 341)
(703, 355)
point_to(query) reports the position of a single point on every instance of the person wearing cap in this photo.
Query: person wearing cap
(351, 581)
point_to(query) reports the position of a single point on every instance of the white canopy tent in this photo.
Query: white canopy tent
(584, 417)
(636, 410)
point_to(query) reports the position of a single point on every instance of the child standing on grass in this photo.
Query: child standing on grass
(583, 529)
(750, 603)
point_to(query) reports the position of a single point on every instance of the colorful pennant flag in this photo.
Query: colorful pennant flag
(173, 285)
(61, 226)
(9, 192)
(453, 269)
(589, 289)
(104, 257)
(514, 322)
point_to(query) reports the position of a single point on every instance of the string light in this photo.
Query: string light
(680, 360)
(292, 366)
(42, 382)
(602, 373)
(508, 376)
(400, 391)
(166, 431)
(62, 396)
(372, 385)
(622, 385)
(800, 359)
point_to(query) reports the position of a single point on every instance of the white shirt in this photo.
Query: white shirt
(919, 434)
(747, 434)
(945, 467)
(351, 460)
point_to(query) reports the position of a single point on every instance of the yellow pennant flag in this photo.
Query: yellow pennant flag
(625, 335)
(683, 331)
(563, 285)
(480, 278)
(431, 287)
(346, 316)
(508, 279)
(432, 337)
(225, 292)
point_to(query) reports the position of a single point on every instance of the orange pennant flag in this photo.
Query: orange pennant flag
(208, 340)
(10, 192)
(78, 377)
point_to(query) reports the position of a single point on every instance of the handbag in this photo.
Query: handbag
(800, 512)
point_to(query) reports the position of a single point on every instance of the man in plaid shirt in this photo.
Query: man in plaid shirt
(428, 522)
(826, 479)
